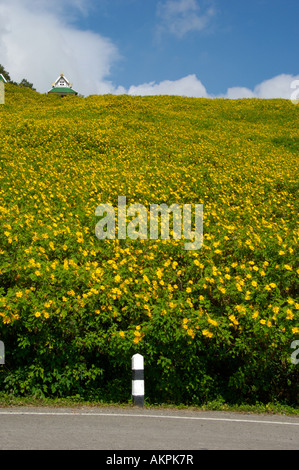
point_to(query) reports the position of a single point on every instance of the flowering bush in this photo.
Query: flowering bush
(213, 323)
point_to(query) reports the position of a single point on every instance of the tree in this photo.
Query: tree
(25, 82)
(4, 73)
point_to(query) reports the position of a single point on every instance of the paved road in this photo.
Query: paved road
(112, 428)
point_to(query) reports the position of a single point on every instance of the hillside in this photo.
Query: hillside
(214, 323)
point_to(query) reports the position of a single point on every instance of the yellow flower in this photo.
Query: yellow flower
(213, 322)
(19, 294)
(295, 330)
(117, 278)
(121, 334)
(263, 322)
(159, 273)
(241, 308)
(255, 314)
(207, 333)
(37, 314)
(190, 332)
(233, 319)
(290, 314)
(288, 267)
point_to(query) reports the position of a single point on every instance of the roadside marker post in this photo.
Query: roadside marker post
(138, 380)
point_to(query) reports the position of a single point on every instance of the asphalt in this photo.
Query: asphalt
(135, 429)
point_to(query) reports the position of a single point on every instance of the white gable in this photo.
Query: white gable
(62, 81)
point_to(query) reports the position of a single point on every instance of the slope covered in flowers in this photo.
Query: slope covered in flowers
(216, 323)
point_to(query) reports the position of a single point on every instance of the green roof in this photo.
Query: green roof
(62, 90)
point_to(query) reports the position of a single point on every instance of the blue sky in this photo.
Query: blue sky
(230, 48)
(243, 43)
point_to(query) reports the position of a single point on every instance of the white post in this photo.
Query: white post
(2, 353)
(138, 380)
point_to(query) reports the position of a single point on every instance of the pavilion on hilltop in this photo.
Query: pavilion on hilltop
(62, 87)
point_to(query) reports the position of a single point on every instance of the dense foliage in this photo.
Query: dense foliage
(216, 323)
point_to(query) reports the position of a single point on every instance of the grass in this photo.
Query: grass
(76, 402)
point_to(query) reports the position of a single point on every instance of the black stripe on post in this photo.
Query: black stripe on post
(138, 380)
(138, 374)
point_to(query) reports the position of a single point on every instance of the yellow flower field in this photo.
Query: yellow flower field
(215, 322)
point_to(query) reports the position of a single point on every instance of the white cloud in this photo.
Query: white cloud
(179, 17)
(37, 45)
(276, 87)
(238, 92)
(187, 86)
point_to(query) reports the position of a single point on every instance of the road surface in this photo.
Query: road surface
(130, 428)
